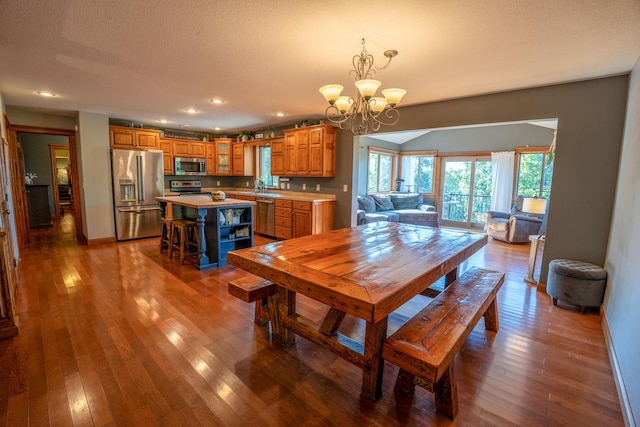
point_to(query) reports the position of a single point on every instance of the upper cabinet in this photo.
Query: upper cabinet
(183, 148)
(132, 138)
(277, 156)
(242, 159)
(307, 151)
(166, 145)
(223, 156)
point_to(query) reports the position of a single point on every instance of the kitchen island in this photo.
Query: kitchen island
(223, 226)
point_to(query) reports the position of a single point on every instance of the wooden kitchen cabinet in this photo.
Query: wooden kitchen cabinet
(283, 218)
(301, 219)
(210, 158)
(189, 148)
(296, 218)
(309, 151)
(277, 156)
(223, 156)
(167, 156)
(242, 159)
(121, 137)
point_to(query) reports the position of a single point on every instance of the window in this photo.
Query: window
(264, 167)
(381, 170)
(535, 170)
(418, 172)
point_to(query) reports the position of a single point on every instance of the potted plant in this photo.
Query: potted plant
(245, 135)
(237, 213)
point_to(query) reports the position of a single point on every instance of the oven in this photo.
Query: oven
(188, 187)
(190, 166)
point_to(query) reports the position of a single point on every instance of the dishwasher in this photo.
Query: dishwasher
(266, 216)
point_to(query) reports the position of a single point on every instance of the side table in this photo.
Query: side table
(536, 240)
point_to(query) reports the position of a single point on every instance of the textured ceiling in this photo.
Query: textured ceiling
(148, 60)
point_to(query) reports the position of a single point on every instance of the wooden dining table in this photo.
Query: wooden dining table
(366, 271)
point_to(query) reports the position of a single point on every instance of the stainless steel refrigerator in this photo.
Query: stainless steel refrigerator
(138, 178)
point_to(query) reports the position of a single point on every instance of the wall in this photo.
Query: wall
(18, 116)
(590, 126)
(94, 168)
(623, 287)
(506, 137)
(37, 159)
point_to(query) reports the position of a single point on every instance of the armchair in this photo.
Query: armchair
(514, 227)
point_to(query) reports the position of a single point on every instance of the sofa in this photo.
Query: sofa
(407, 208)
(515, 226)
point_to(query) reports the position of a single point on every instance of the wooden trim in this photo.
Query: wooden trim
(419, 153)
(17, 179)
(383, 151)
(625, 404)
(100, 241)
(543, 149)
(465, 154)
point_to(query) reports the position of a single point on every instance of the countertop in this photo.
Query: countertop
(203, 201)
(288, 195)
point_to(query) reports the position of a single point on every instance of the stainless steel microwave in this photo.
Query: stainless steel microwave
(190, 166)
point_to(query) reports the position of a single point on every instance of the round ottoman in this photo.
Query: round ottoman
(576, 282)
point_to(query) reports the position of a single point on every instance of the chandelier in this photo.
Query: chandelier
(365, 113)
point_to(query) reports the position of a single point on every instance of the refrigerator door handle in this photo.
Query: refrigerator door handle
(139, 209)
(141, 195)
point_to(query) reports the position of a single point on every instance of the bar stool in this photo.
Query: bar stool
(165, 234)
(184, 238)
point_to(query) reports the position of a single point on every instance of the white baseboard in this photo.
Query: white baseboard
(625, 404)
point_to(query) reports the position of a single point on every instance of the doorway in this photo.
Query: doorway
(61, 179)
(18, 178)
(465, 193)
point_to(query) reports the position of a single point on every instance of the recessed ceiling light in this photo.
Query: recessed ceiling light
(191, 110)
(163, 121)
(217, 128)
(184, 126)
(217, 101)
(46, 93)
(279, 114)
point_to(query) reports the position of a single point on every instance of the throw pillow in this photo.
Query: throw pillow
(406, 202)
(367, 204)
(383, 203)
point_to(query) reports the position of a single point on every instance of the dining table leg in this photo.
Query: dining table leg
(451, 277)
(287, 307)
(375, 334)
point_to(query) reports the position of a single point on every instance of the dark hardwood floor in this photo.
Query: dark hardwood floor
(117, 334)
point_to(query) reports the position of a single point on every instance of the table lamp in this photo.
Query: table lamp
(533, 205)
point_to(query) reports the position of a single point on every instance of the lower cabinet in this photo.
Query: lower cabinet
(283, 219)
(296, 218)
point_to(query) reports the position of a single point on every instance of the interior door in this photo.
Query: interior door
(465, 194)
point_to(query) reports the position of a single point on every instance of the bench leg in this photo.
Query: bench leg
(446, 393)
(286, 308)
(262, 314)
(491, 322)
(274, 314)
(405, 385)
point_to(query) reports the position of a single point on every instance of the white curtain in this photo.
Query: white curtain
(502, 180)
(409, 165)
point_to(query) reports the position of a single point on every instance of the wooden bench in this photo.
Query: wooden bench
(424, 348)
(262, 292)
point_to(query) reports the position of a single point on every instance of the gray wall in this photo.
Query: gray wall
(623, 286)
(590, 124)
(37, 159)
